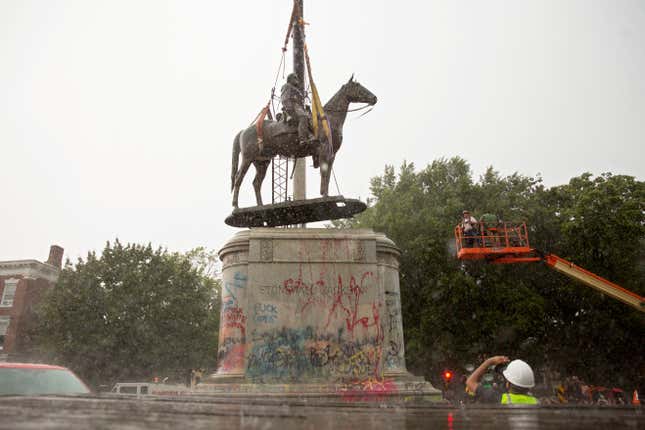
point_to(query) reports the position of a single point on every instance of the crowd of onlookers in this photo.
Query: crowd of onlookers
(573, 390)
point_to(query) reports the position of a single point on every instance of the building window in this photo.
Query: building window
(4, 325)
(8, 293)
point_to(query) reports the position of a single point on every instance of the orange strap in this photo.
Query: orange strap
(290, 27)
(259, 124)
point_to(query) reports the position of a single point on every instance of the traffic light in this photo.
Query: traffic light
(448, 386)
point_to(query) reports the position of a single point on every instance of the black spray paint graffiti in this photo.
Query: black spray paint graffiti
(394, 356)
(266, 313)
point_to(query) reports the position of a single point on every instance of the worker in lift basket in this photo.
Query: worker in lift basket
(469, 228)
(518, 380)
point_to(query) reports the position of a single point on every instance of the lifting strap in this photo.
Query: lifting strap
(259, 124)
(294, 11)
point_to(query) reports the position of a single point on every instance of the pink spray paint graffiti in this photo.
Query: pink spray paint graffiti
(368, 390)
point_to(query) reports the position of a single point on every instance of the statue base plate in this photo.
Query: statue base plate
(296, 212)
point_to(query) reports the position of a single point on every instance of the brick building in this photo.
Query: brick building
(22, 283)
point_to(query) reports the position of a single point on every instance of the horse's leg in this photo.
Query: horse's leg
(325, 174)
(260, 172)
(239, 177)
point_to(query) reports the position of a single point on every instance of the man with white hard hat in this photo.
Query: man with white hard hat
(518, 377)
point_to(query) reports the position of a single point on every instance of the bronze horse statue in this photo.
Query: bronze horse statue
(280, 138)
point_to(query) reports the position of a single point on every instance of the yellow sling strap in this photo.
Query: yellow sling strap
(317, 111)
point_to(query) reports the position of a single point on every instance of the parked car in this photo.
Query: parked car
(27, 379)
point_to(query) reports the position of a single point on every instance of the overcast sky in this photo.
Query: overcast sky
(117, 117)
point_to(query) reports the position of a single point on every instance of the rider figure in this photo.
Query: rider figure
(292, 99)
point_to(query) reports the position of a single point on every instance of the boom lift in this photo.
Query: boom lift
(507, 243)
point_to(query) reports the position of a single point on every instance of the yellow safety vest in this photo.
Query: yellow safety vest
(518, 399)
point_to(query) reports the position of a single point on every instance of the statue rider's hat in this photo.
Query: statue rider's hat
(292, 78)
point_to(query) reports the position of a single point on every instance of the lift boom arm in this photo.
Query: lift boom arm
(508, 243)
(594, 281)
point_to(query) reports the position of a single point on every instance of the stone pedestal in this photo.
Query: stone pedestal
(313, 311)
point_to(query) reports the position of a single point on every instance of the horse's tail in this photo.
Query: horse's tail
(236, 158)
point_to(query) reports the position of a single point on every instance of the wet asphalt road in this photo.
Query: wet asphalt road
(107, 412)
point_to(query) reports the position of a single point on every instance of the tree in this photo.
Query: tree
(454, 312)
(602, 228)
(132, 313)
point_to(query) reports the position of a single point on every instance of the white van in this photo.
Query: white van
(148, 389)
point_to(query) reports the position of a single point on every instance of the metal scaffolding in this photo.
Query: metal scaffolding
(280, 179)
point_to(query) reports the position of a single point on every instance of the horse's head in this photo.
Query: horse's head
(356, 93)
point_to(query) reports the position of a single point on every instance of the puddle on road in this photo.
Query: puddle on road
(226, 413)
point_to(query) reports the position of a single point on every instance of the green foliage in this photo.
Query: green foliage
(456, 312)
(602, 228)
(132, 313)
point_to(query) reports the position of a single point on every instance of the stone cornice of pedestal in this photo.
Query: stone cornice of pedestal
(385, 244)
(239, 242)
(32, 269)
(274, 246)
(312, 233)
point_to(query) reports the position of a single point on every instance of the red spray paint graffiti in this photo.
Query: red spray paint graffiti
(348, 302)
(234, 318)
(342, 300)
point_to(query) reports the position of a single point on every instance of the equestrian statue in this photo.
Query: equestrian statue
(290, 137)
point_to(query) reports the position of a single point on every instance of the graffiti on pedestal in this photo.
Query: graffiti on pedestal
(232, 289)
(346, 303)
(346, 344)
(370, 389)
(394, 356)
(340, 301)
(231, 349)
(266, 313)
(298, 355)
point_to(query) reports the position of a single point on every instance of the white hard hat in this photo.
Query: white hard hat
(520, 374)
